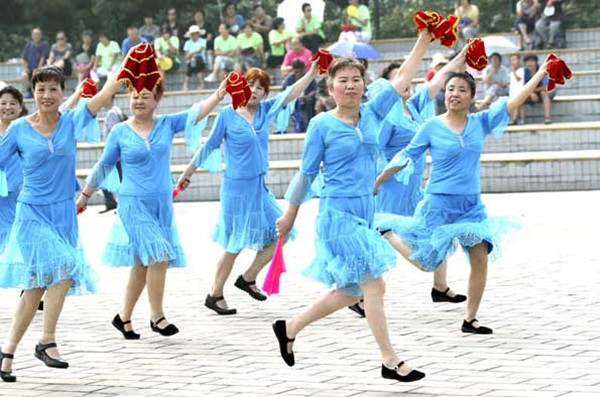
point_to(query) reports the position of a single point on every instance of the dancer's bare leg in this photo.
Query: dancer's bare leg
(135, 286)
(223, 271)
(478, 256)
(53, 305)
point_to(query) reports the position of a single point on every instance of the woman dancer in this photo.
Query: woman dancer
(43, 253)
(350, 253)
(144, 236)
(452, 210)
(248, 208)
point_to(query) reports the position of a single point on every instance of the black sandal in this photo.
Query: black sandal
(280, 330)
(169, 330)
(412, 376)
(211, 303)
(42, 354)
(467, 327)
(7, 376)
(245, 286)
(357, 309)
(120, 325)
(439, 296)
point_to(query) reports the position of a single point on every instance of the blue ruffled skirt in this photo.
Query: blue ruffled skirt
(144, 233)
(8, 206)
(394, 197)
(442, 222)
(44, 249)
(247, 216)
(349, 251)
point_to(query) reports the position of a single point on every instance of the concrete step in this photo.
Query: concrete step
(500, 172)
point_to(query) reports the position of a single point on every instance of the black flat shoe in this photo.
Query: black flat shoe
(467, 327)
(7, 376)
(281, 333)
(412, 376)
(357, 309)
(211, 303)
(439, 296)
(245, 286)
(169, 330)
(120, 325)
(42, 354)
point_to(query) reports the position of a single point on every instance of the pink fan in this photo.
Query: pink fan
(271, 284)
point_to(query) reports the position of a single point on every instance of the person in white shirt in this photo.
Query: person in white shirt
(516, 75)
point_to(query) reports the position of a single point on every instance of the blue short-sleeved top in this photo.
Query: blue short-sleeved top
(48, 163)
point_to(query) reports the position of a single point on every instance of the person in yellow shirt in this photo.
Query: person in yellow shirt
(468, 26)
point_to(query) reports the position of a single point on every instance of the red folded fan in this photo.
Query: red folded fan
(238, 88)
(88, 88)
(476, 56)
(557, 70)
(325, 59)
(140, 70)
(441, 28)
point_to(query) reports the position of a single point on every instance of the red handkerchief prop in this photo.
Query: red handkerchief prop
(325, 59)
(238, 88)
(176, 192)
(441, 28)
(271, 284)
(88, 88)
(476, 56)
(80, 210)
(450, 28)
(140, 69)
(558, 71)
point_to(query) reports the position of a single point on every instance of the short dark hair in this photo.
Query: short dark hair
(165, 29)
(496, 54)
(530, 57)
(48, 73)
(344, 63)
(86, 33)
(277, 22)
(246, 24)
(103, 34)
(15, 93)
(298, 64)
(305, 6)
(385, 73)
(466, 76)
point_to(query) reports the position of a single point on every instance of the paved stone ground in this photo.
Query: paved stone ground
(542, 301)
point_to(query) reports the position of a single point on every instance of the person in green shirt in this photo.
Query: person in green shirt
(360, 18)
(225, 48)
(167, 46)
(250, 47)
(108, 56)
(309, 29)
(279, 38)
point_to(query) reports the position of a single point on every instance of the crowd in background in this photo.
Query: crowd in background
(206, 51)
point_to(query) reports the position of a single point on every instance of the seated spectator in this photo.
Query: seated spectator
(195, 56)
(540, 94)
(527, 11)
(357, 26)
(61, 53)
(149, 30)
(516, 84)
(167, 50)
(175, 27)
(251, 52)
(309, 29)
(468, 25)
(550, 25)
(108, 57)
(496, 81)
(304, 109)
(33, 57)
(278, 38)
(324, 101)
(262, 23)
(225, 54)
(207, 33)
(297, 51)
(84, 60)
(232, 19)
(133, 38)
